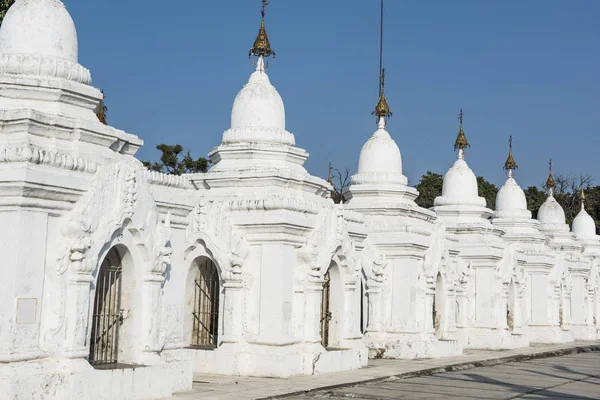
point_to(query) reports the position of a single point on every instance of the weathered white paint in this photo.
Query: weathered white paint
(406, 282)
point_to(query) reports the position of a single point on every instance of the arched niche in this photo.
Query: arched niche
(203, 304)
(511, 305)
(439, 307)
(120, 268)
(332, 307)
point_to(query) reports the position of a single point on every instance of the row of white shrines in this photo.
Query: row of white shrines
(120, 283)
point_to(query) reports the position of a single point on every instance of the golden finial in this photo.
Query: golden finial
(550, 182)
(383, 109)
(262, 46)
(582, 195)
(461, 140)
(510, 164)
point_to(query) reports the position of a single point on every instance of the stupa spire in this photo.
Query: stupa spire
(262, 47)
(461, 142)
(582, 198)
(510, 166)
(550, 184)
(382, 110)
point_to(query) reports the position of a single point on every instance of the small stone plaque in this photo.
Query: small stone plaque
(26, 311)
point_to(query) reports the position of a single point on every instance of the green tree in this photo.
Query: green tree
(429, 188)
(4, 6)
(488, 191)
(175, 161)
(535, 198)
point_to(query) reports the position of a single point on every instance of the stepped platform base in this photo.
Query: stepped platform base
(52, 379)
(278, 361)
(410, 346)
(548, 334)
(491, 339)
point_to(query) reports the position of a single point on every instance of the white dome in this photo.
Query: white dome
(551, 213)
(258, 105)
(511, 201)
(584, 225)
(460, 187)
(40, 27)
(380, 154)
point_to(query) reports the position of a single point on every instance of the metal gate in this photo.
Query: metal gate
(107, 315)
(325, 310)
(205, 327)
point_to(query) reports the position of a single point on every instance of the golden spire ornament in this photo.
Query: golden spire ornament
(262, 46)
(582, 198)
(461, 140)
(550, 184)
(510, 165)
(383, 109)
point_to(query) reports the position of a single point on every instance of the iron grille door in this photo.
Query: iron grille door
(325, 310)
(107, 316)
(205, 327)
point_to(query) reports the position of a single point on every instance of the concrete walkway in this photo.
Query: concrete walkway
(227, 387)
(575, 376)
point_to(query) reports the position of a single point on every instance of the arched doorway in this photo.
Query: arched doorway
(107, 316)
(326, 310)
(203, 294)
(332, 300)
(438, 306)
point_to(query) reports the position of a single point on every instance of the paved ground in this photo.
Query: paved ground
(388, 372)
(568, 377)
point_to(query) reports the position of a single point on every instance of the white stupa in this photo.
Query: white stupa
(43, 84)
(551, 215)
(257, 139)
(460, 198)
(584, 226)
(380, 179)
(512, 213)
(38, 37)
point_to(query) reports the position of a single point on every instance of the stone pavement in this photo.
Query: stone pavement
(227, 387)
(575, 376)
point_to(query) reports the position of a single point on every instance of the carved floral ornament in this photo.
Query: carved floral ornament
(119, 198)
(328, 240)
(209, 224)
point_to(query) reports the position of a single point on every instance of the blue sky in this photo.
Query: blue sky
(171, 71)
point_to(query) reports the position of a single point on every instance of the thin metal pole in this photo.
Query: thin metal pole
(380, 48)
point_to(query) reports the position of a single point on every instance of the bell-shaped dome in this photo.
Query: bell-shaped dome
(460, 186)
(584, 225)
(41, 27)
(511, 201)
(380, 154)
(258, 105)
(380, 160)
(38, 38)
(551, 213)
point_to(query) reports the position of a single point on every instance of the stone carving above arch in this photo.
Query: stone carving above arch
(119, 197)
(329, 239)
(208, 223)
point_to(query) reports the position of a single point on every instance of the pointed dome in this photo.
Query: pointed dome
(38, 38)
(460, 186)
(380, 154)
(551, 213)
(584, 225)
(41, 27)
(511, 201)
(258, 104)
